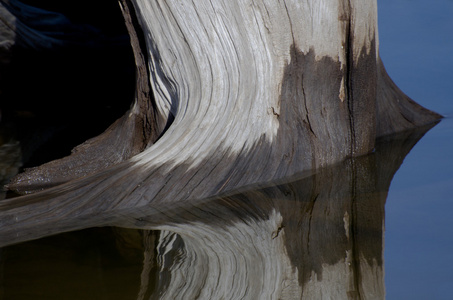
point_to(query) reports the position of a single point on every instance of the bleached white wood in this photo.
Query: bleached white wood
(221, 69)
(259, 90)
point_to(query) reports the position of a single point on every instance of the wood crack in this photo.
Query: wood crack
(306, 108)
(290, 24)
(348, 78)
(311, 207)
(277, 232)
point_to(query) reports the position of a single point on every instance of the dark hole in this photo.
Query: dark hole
(56, 97)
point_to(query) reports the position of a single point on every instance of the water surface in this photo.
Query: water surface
(321, 233)
(416, 46)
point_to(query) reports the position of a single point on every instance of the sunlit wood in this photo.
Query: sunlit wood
(257, 91)
(229, 95)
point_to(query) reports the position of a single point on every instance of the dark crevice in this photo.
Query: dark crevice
(355, 264)
(151, 125)
(349, 55)
(59, 96)
(126, 136)
(348, 80)
(305, 105)
(310, 209)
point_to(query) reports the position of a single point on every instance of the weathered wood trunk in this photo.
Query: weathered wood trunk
(254, 91)
(258, 91)
(231, 94)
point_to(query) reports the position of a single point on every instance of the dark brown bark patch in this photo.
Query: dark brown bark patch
(397, 112)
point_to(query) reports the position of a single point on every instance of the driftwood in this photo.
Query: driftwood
(231, 94)
(228, 94)
(319, 236)
(257, 91)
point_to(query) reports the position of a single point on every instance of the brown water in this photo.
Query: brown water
(85, 264)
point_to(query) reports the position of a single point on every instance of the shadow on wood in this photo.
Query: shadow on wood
(233, 95)
(320, 234)
(229, 96)
(258, 92)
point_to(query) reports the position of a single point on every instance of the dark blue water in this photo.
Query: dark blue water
(416, 45)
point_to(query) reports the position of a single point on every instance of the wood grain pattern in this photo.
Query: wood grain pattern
(273, 87)
(258, 91)
(318, 236)
(232, 96)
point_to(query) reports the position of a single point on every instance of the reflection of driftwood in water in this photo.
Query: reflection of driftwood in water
(262, 91)
(316, 237)
(37, 217)
(149, 245)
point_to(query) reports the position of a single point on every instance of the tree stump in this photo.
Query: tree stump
(229, 94)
